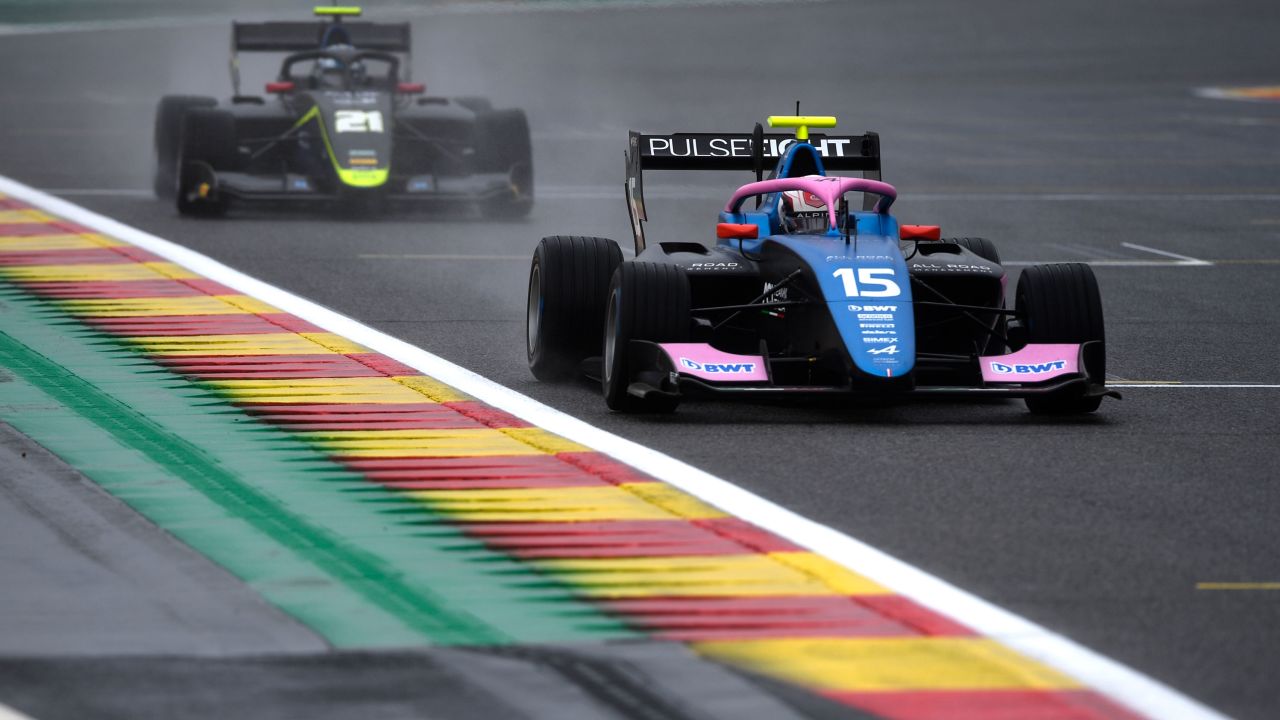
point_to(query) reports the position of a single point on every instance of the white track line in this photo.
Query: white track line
(1243, 386)
(1123, 684)
(8, 713)
(458, 7)
(1108, 263)
(1182, 259)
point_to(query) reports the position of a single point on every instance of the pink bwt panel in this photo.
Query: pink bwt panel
(1033, 363)
(702, 361)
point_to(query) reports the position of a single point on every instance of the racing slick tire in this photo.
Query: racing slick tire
(1060, 303)
(207, 145)
(475, 104)
(168, 133)
(647, 301)
(986, 250)
(568, 288)
(981, 247)
(503, 146)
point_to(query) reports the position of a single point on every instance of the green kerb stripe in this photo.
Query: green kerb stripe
(358, 563)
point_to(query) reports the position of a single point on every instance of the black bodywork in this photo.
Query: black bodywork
(342, 124)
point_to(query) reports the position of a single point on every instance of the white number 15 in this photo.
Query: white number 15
(870, 279)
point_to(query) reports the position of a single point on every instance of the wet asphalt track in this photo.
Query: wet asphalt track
(1060, 131)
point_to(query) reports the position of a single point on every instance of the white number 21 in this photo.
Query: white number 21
(357, 121)
(870, 279)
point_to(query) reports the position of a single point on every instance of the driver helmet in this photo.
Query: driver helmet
(328, 74)
(802, 212)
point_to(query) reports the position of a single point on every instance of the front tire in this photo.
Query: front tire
(568, 288)
(503, 146)
(207, 145)
(168, 136)
(647, 301)
(1060, 303)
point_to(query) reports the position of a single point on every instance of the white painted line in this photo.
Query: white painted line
(613, 191)
(1184, 259)
(1121, 683)
(1245, 386)
(1108, 263)
(101, 192)
(422, 256)
(1231, 93)
(8, 713)
(464, 7)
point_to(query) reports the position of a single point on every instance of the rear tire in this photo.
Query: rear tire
(981, 247)
(1060, 303)
(475, 104)
(647, 301)
(208, 145)
(503, 146)
(168, 135)
(568, 288)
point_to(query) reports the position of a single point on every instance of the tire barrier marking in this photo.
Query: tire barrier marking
(653, 557)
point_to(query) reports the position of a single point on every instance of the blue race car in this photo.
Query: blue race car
(804, 294)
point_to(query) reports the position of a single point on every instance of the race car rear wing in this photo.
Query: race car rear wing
(736, 151)
(298, 36)
(295, 36)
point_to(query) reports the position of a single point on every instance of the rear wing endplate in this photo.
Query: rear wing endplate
(735, 151)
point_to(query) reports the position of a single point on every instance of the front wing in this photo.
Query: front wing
(425, 189)
(1038, 369)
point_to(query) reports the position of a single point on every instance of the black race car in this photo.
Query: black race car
(802, 294)
(343, 125)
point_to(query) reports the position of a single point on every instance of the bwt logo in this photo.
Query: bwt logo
(874, 308)
(725, 368)
(1028, 369)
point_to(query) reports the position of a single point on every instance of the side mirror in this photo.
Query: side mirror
(743, 231)
(920, 232)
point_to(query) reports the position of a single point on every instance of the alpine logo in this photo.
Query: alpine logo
(723, 368)
(1029, 369)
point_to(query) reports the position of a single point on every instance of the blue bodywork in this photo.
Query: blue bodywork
(863, 278)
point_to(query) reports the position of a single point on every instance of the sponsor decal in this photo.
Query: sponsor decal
(874, 308)
(723, 368)
(879, 332)
(857, 258)
(715, 265)
(1028, 369)
(877, 325)
(950, 267)
(874, 316)
(878, 340)
(886, 350)
(708, 146)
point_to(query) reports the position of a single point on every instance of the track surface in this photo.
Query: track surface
(1059, 131)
